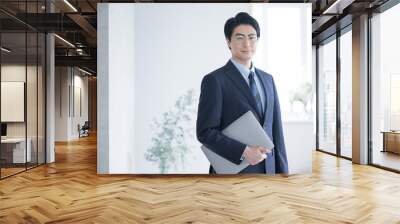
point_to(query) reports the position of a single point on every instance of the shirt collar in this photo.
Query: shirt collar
(244, 71)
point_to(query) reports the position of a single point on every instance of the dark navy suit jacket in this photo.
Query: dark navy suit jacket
(225, 96)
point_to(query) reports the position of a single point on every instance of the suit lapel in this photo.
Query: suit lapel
(234, 75)
(267, 94)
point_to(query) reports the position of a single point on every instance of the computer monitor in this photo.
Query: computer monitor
(3, 129)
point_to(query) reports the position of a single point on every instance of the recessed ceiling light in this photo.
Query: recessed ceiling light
(64, 40)
(84, 71)
(338, 6)
(70, 5)
(5, 50)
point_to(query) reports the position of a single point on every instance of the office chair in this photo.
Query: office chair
(84, 130)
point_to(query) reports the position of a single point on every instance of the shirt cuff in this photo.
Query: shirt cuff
(242, 157)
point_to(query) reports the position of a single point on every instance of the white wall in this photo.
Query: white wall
(67, 81)
(299, 142)
(102, 90)
(61, 104)
(182, 59)
(115, 84)
(79, 117)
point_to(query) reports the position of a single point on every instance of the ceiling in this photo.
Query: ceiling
(76, 22)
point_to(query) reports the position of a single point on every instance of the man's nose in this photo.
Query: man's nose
(246, 42)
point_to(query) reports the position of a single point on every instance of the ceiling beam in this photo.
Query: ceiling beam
(84, 61)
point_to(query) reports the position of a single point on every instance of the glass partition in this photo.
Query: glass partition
(346, 94)
(41, 87)
(385, 89)
(13, 111)
(22, 77)
(327, 96)
(32, 94)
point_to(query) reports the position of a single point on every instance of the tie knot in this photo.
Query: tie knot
(251, 75)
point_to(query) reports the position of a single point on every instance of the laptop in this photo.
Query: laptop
(247, 130)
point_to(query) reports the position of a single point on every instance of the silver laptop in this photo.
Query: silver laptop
(247, 130)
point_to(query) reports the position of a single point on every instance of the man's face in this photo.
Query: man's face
(243, 42)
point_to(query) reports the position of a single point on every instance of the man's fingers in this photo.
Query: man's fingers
(252, 162)
(256, 154)
(264, 150)
(263, 156)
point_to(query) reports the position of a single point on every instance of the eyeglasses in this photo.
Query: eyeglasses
(241, 39)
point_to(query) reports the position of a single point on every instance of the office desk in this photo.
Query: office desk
(391, 141)
(15, 148)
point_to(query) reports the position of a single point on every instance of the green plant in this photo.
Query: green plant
(171, 142)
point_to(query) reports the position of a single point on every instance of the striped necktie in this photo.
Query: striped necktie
(256, 94)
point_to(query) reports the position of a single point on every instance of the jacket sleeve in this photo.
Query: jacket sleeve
(209, 116)
(281, 162)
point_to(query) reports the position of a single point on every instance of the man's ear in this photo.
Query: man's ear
(228, 43)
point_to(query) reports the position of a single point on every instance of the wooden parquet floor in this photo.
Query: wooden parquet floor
(70, 191)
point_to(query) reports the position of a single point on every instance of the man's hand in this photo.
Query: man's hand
(254, 155)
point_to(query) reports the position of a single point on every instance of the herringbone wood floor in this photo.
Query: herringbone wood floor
(70, 191)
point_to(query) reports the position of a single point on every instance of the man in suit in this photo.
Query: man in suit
(232, 90)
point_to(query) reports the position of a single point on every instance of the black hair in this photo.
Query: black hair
(242, 18)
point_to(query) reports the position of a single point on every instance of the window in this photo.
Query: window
(346, 94)
(327, 96)
(385, 89)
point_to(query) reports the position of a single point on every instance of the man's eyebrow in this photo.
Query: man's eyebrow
(241, 34)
